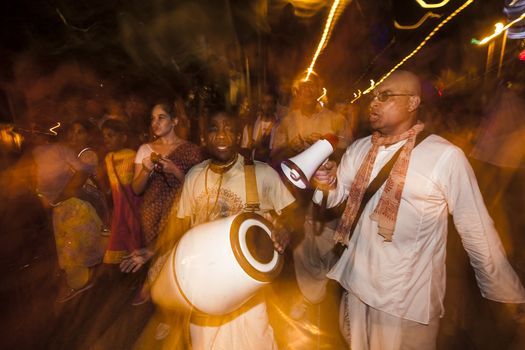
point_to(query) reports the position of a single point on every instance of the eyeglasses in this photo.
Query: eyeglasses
(384, 96)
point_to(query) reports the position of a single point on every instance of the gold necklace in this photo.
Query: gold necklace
(208, 211)
(222, 168)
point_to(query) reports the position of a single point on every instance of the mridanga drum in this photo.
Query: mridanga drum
(217, 266)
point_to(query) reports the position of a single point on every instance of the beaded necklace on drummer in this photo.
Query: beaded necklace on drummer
(219, 169)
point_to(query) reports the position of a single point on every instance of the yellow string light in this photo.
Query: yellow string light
(327, 29)
(423, 43)
(418, 23)
(52, 129)
(356, 96)
(500, 29)
(323, 95)
(424, 5)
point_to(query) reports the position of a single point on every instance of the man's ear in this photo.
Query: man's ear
(238, 138)
(413, 103)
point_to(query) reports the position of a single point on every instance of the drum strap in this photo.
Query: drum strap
(252, 196)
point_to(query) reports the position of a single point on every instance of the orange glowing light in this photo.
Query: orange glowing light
(9, 138)
(52, 129)
(357, 95)
(500, 28)
(418, 23)
(425, 5)
(322, 43)
(420, 46)
(322, 96)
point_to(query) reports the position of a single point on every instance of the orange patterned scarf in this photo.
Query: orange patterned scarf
(386, 211)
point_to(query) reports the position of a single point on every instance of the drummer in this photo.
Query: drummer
(214, 189)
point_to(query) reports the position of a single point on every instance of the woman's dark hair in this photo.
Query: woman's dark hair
(86, 124)
(167, 105)
(116, 125)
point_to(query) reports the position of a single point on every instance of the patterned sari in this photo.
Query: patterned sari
(164, 190)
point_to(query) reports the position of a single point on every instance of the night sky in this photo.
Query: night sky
(173, 45)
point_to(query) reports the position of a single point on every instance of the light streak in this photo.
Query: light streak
(424, 5)
(322, 43)
(323, 95)
(423, 43)
(418, 23)
(356, 96)
(52, 129)
(500, 29)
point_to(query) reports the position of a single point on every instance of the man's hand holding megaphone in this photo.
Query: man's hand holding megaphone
(325, 177)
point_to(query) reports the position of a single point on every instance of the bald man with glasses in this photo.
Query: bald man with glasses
(399, 185)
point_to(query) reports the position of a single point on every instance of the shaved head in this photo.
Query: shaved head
(406, 82)
(395, 102)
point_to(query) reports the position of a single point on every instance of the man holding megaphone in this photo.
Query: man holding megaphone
(400, 184)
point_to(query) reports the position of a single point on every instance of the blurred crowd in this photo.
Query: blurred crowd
(106, 187)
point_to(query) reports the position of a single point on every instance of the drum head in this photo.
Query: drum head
(250, 238)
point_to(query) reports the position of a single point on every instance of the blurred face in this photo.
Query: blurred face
(113, 140)
(161, 123)
(308, 91)
(222, 138)
(393, 107)
(268, 105)
(341, 108)
(78, 135)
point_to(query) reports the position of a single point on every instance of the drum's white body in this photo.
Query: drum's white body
(212, 268)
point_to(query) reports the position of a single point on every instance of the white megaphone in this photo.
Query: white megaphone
(300, 169)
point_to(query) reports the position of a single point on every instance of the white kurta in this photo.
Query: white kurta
(406, 277)
(206, 197)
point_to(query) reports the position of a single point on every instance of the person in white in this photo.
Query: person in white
(393, 269)
(214, 189)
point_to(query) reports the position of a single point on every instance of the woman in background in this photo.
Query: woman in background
(160, 167)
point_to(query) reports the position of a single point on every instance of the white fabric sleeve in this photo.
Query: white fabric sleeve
(273, 189)
(495, 277)
(143, 152)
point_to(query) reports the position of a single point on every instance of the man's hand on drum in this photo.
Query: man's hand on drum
(281, 238)
(135, 260)
(325, 178)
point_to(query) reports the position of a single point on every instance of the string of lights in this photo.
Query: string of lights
(326, 32)
(418, 24)
(425, 5)
(418, 48)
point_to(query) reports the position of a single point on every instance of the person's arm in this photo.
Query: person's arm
(168, 167)
(334, 181)
(495, 277)
(142, 171)
(140, 178)
(77, 180)
(165, 241)
(287, 223)
(172, 231)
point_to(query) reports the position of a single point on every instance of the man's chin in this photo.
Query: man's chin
(223, 158)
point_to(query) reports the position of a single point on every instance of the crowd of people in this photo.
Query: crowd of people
(118, 207)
